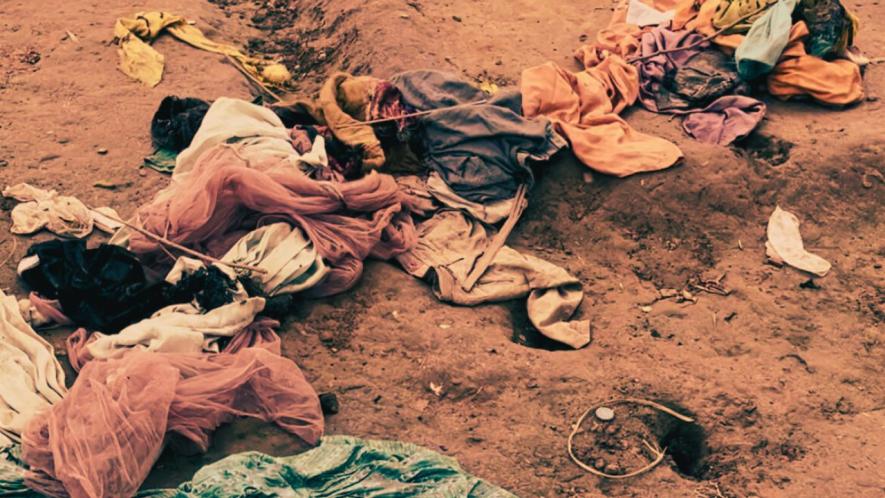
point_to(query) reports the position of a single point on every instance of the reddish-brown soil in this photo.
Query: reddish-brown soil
(786, 380)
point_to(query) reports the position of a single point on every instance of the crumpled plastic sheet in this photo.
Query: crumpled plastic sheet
(104, 437)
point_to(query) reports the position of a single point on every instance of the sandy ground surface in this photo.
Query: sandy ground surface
(787, 381)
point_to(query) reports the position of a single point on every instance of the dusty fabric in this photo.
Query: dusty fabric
(161, 160)
(39, 311)
(450, 243)
(32, 378)
(765, 41)
(60, 214)
(105, 436)
(831, 26)
(784, 244)
(290, 260)
(490, 212)
(343, 102)
(798, 74)
(341, 467)
(225, 199)
(140, 61)
(482, 152)
(697, 82)
(103, 288)
(257, 131)
(729, 11)
(584, 107)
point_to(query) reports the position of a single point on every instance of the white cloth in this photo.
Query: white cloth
(32, 379)
(785, 245)
(290, 260)
(259, 131)
(641, 14)
(182, 328)
(60, 214)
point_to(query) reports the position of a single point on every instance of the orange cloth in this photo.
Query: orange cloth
(584, 106)
(797, 73)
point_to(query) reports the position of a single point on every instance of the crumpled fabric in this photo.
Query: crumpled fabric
(104, 288)
(176, 121)
(450, 243)
(831, 26)
(103, 438)
(342, 104)
(584, 108)
(784, 244)
(492, 212)
(140, 61)
(60, 214)
(837, 82)
(641, 14)
(482, 152)
(258, 132)
(290, 260)
(341, 467)
(12, 473)
(765, 41)
(33, 380)
(698, 83)
(729, 11)
(225, 198)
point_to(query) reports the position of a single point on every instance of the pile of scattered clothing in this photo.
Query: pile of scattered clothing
(175, 318)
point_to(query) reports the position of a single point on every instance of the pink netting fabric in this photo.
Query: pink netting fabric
(225, 196)
(104, 437)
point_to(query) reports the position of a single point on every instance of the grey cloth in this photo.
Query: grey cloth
(480, 151)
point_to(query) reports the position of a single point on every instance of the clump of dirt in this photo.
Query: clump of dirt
(766, 149)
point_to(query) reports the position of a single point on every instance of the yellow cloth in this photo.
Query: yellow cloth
(729, 11)
(584, 108)
(342, 104)
(140, 61)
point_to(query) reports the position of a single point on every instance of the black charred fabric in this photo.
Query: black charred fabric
(209, 286)
(176, 122)
(102, 289)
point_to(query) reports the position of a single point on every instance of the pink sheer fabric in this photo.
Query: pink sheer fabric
(225, 195)
(104, 437)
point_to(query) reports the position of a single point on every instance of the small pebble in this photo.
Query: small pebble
(102, 151)
(599, 463)
(456, 18)
(605, 413)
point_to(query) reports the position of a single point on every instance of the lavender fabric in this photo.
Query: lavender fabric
(700, 83)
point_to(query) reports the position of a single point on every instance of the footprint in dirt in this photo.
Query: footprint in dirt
(763, 148)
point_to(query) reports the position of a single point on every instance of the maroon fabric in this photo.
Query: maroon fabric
(104, 437)
(226, 196)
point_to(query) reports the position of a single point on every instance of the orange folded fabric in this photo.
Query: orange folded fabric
(584, 106)
(835, 82)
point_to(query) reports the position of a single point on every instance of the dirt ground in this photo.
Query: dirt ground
(786, 379)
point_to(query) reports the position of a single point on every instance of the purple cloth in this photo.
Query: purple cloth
(700, 83)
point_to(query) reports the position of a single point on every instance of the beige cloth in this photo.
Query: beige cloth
(785, 245)
(290, 260)
(60, 214)
(450, 243)
(32, 379)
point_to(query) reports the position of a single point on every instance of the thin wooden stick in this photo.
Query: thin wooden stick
(11, 251)
(188, 251)
(410, 115)
(482, 264)
(261, 86)
(704, 39)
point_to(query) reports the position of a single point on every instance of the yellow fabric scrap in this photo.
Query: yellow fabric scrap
(140, 61)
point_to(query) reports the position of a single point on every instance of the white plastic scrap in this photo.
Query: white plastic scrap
(785, 244)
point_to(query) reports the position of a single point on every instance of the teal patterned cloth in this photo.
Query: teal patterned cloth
(340, 467)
